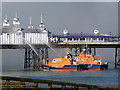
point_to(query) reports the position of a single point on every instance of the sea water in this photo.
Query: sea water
(93, 77)
(13, 61)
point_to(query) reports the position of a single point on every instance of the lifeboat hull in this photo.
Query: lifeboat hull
(65, 67)
(76, 67)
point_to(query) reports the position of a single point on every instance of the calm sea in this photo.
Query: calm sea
(94, 77)
(13, 63)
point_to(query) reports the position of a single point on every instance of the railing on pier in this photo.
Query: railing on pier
(50, 83)
(83, 38)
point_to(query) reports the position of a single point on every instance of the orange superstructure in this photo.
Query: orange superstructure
(88, 59)
(59, 62)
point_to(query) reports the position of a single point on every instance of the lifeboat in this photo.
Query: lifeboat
(84, 61)
(61, 63)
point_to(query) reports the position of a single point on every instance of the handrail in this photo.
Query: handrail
(49, 82)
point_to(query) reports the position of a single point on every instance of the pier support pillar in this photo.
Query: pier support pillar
(32, 60)
(115, 57)
(90, 50)
(27, 58)
(70, 50)
(46, 53)
(25, 61)
(94, 51)
(42, 53)
(75, 51)
(80, 50)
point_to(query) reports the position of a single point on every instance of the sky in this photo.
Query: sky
(60, 1)
(75, 16)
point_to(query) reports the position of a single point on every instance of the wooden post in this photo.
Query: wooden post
(115, 57)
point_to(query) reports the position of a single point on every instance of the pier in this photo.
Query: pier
(36, 42)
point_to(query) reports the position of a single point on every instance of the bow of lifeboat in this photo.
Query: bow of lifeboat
(58, 62)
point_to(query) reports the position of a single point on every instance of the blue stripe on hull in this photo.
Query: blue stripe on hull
(89, 65)
(66, 67)
(62, 69)
(71, 67)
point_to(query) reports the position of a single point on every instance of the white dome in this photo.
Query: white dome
(96, 31)
(65, 31)
(6, 20)
(6, 23)
(16, 21)
(30, 26)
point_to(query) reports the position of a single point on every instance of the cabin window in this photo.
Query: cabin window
(85, 59)
(75, 58)
(79, 58)
(56, 60)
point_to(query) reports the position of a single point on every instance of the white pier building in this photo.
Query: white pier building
(13, 34)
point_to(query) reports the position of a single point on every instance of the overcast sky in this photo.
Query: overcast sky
(75, 16)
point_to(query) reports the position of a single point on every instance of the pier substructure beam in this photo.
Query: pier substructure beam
(94, 51)
(46, 53)
(71, 50)
(32, 61)
(116, 54)
(80, 50)
(42, 53)
(27, 60)
(76, 51)
(90, 50)
(35, 60)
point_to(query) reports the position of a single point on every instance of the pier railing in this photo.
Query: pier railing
(9, 83)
